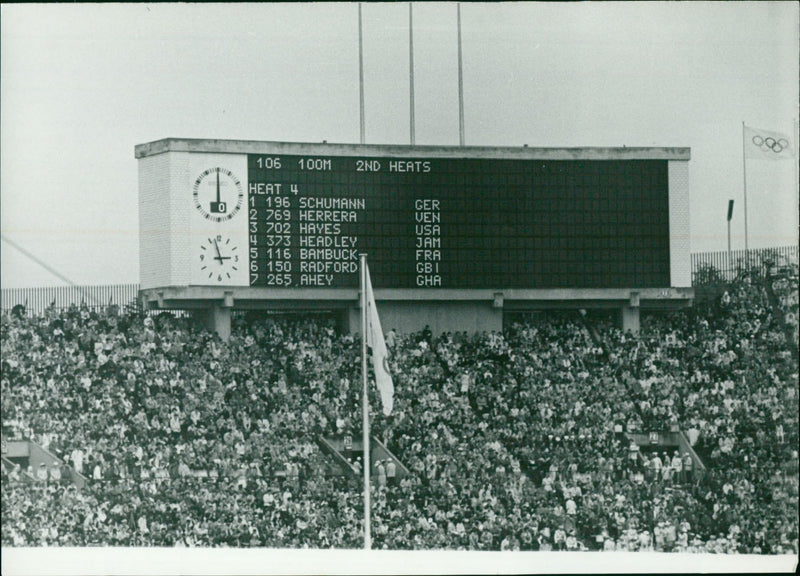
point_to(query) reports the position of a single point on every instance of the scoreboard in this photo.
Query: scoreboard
(281, 217)
(455, 237)
(456, 223)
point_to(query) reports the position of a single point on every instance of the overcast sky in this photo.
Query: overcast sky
(83, 84)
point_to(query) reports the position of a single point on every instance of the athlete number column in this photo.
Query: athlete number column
(269, 224)
(278, 236)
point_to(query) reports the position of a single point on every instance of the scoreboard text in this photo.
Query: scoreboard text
(457, 223)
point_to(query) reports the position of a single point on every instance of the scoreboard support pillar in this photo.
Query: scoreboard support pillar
(352, 321)
(630, 319)
(217, 319)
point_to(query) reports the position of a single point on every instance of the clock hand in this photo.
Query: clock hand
(219, 256)
(217, 185)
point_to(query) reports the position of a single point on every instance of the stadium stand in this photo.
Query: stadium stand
(514, 441)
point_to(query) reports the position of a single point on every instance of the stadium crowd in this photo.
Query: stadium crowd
(515, 441)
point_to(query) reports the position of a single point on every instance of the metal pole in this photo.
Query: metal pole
(729, 242)
(411, 68)
(730, 217)
(50, 269)
(796, 182)
(365, 403)
(361, 73)
(460, 83)
(744, 176)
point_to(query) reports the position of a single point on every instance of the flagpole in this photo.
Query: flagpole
(365, 403)
(460, 82)
(796, 183)
(411, 70)
(360, 74)
(744, 177)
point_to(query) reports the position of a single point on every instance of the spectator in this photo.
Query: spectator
(677, 467)
(380, 470)
(391, 472)
(502, 432)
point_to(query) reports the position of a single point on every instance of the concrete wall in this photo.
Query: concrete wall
(668, 441)
(410, 310)
(154, 221)
(403, 151)
(407, 317)
(164, 211)
(37, 456)
(680, 259)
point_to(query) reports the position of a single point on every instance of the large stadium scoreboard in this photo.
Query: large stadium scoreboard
(276, 215)
(456, 223)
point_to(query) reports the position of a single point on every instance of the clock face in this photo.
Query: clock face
(218, 194)
(219, 259)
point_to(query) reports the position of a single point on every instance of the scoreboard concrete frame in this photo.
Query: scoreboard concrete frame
(177, 228)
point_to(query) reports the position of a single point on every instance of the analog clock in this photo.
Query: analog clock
(218, 194)
(219, 258)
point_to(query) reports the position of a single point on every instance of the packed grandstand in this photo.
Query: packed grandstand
(515, 441)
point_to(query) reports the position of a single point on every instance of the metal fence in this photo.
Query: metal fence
(36, 300)
(710, 268)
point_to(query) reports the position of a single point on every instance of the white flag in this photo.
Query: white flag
(766, 145)
(380, 356)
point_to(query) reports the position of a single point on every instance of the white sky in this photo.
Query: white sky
(83, 84)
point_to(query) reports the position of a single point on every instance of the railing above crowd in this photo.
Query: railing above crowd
(96, 298)
(100, 297)
(720, 268)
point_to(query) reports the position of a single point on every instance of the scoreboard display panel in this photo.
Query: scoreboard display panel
(444, 222)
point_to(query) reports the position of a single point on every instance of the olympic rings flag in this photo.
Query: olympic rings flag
(766, 145)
